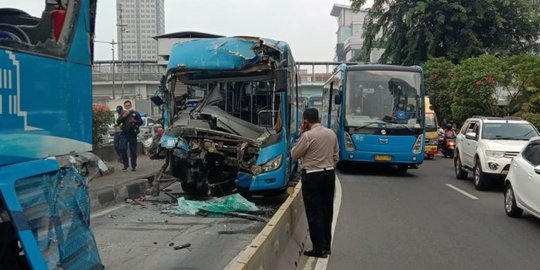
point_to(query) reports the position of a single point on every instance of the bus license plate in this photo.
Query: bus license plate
(383, 158)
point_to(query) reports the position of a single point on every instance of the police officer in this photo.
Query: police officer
(318, 149)
(130, 121)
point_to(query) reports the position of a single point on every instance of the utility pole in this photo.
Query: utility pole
(112, 62)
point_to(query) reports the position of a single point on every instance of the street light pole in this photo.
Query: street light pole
(121, 26)
(113, 73)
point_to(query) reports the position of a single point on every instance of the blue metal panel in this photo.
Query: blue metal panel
(270, 180)
(80, 49)
(8, 176)
(213, 54)
(272, 151)
(50, 209)
(45, 103)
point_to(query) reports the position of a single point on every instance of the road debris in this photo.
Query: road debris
(182, 246)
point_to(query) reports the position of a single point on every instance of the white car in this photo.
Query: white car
(522, 184)
(485, 146)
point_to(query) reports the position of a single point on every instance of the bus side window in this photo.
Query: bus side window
(20, 30)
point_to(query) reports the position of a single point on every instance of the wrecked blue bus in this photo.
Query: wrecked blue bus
(377, 112)
(239, 136)
(45, 136)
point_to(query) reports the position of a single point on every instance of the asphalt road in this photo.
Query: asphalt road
(418, 221)
(132, 237)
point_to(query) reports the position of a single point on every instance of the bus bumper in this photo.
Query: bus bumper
(382, 158)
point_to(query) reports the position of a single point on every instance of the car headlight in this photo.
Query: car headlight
(494, 154)
(268, 166)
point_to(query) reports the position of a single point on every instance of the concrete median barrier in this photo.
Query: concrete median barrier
(281, 242)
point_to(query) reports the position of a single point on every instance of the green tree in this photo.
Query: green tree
(438, 73)
(413, 31)
(522, 80)
(101, 118)
(474, 84)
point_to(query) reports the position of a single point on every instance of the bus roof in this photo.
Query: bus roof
(384, 67)
(227, 56)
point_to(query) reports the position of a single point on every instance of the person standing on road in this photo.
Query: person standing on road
(117, 141)
(130, 121)
(318, 149)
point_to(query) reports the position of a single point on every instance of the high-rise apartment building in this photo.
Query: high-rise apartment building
(138, 21)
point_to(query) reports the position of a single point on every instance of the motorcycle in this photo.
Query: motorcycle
(448, 147)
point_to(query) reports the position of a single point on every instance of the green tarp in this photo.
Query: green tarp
(227, 204)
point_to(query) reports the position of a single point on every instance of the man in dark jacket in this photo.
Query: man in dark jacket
(130, 121)
(117, 136)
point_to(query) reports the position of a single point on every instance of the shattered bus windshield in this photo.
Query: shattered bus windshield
(236, 136)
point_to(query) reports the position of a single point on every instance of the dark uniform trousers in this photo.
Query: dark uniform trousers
(318, 192)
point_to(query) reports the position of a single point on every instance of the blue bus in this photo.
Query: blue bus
(314, 101)
(239, 136)
(45, 134)
(377, 112)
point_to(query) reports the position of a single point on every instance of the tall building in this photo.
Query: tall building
(349, 33)
(138, 21)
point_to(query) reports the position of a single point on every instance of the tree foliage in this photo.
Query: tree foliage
(101, 118)
(413, 31)
(439, 73)
(522, 77)
(474, 86)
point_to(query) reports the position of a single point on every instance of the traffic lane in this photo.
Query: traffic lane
(415, 221)
(131, 236)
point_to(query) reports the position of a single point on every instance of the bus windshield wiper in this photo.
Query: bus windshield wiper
(367, 124)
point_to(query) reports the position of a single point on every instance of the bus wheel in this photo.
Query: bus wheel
(402, 168)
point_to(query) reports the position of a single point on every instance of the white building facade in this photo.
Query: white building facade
(138, 21)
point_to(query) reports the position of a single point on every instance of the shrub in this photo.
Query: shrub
(101, 118)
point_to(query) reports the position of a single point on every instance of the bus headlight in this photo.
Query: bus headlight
(268, 166)
(349, 145)
(417, 148)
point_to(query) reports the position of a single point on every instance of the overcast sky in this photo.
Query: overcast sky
(305, 24)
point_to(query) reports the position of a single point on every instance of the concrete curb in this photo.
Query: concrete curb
(111, 194)
(281, 242)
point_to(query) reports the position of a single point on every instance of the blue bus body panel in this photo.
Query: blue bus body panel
(384, 144)
(50, 210)
(213, 54)
(219, 54)
(274, 179)
(367, 147)
(45, 103)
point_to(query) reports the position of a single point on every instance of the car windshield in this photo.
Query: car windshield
(508, 131)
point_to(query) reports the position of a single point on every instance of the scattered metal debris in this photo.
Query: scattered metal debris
(182, 246)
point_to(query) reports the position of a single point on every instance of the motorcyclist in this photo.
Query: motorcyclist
(449, 134)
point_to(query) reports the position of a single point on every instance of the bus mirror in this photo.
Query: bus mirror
(281, 79)
(337, 99)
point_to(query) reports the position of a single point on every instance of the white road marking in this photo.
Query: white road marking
(322, 263)
(462, 192)
(108, 210)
